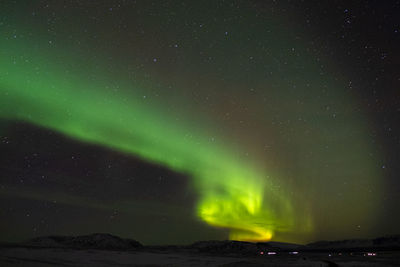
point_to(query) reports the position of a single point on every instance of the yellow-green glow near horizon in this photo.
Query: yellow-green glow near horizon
(232, 193)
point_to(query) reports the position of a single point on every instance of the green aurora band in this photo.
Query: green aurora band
(234, 192)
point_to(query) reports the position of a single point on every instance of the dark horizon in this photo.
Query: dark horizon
(392, 242)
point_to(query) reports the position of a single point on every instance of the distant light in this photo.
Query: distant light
(271, 253)
(294, 252)
(371, 254)
(262, 252)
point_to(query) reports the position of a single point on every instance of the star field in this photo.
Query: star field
(175, 122)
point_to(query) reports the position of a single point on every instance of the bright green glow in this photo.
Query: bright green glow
(242, 208)
(232, 193)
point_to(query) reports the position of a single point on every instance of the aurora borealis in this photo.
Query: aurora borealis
(265, 127)
(233, 195)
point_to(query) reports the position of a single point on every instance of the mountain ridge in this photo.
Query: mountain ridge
(105, 241)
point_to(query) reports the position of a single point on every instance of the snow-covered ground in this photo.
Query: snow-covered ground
(19, 256)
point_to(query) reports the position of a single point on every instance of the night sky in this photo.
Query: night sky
(171, 122)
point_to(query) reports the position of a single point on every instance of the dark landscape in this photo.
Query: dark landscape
(108, 250)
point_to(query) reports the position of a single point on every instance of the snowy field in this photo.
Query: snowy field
(19, 256)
